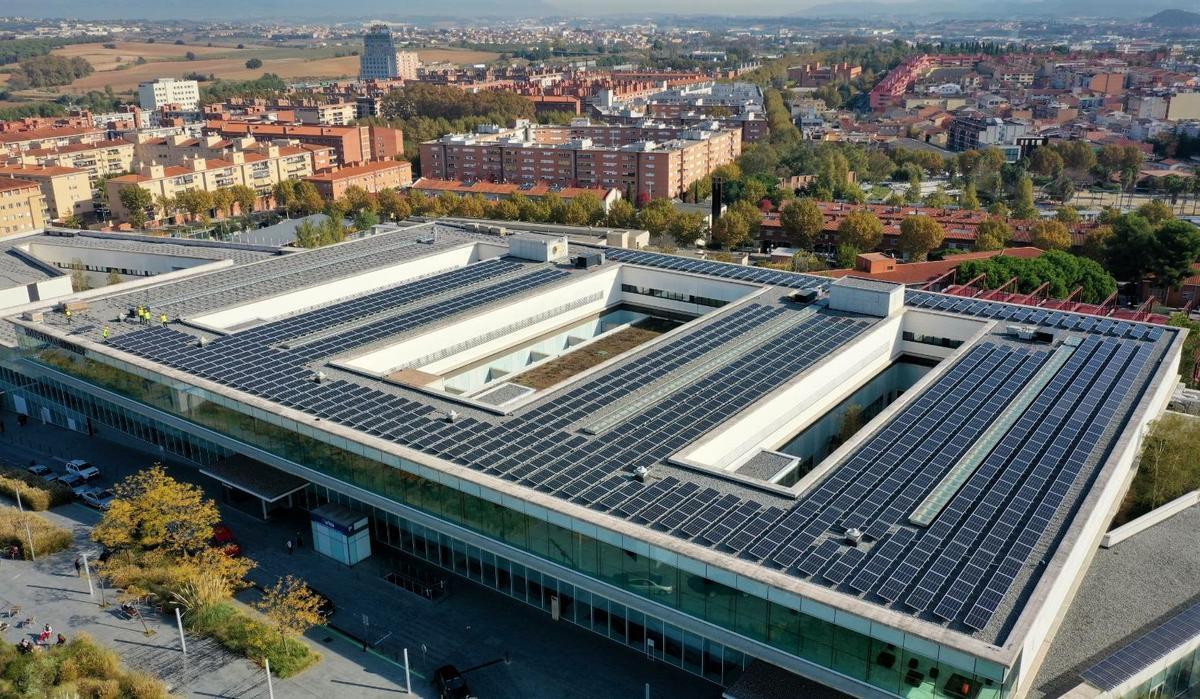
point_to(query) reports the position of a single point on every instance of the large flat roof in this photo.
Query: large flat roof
(953, 535)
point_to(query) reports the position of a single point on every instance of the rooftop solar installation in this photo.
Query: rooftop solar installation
(1127, 662)
(958, 493)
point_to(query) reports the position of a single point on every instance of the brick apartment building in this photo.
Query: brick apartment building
(373, 177)
(818, 74)
(17, 142)
(352, 145)
(618, 158)
(96, 158)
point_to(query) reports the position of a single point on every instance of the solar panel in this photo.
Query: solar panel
(1127, 662)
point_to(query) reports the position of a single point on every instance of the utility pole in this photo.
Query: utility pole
(407, 678)
(25, 519)
(88, 574)
(270, 690)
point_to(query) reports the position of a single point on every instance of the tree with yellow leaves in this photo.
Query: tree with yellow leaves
(154, 511)
(292, 606)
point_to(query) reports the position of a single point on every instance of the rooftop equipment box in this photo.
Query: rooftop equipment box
(539, 248)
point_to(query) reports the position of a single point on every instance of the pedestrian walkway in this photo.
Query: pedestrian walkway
(468, 627)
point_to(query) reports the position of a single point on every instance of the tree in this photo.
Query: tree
(1156, 212)
(920, 234)
(622, 214)
(803, 221)
(861, 230)
(136, 201)
(969, 200)
(938, 199)
(1045, 162)
(284, 193)
(1068, 215)
(292, 606)
(992, 234)
(1023, 199)
(245, 197)
(738, 226)
(505, 210)
(222, 201)
(1129, 249)
(1095, 241)
(805, 261)
(655, 215)
(152, 510)
(1176, 248)
(74, 221)
(392, 205)
(254, 64)
(999, 210)
(196, 202)
(307, 199)
(586, 209)
(79, 279)
(687, 228)
(166, 205)
(1050, 235)
(190, 55)
(365, 219)
(114, 277)
(356, 199)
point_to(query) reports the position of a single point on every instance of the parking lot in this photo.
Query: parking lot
(505, 648)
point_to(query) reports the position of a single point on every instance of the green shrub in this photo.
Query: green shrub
(242, 633)
(81, 668)
(36, 494)
(1167, 467)
(47, 537)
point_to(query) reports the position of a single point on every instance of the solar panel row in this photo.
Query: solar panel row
(724, 270)
(1032, 315)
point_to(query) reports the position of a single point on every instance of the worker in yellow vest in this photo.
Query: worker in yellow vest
(104, 333)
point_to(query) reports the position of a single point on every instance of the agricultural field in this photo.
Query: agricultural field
(117, 67)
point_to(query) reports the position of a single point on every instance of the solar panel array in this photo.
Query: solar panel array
(960, 569)
(742, 273)
(1123, 665)
(1031, 315)
(540, 449)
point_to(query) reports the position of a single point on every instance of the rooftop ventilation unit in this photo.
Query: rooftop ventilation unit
(451, 415)
(804, 295)
(640, 473)
(1030, 333)
(853, 536)
(592, 259)
(319, 377)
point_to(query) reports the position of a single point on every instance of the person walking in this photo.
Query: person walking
(78, 567)
(299, 541)
(62, 640)
(290, 546)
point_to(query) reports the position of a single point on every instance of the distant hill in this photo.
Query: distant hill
(1174, 18)
(1023, 9)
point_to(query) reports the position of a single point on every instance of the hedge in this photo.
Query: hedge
(80, 668)
(244, 634)
(36, 494)
(48, 538)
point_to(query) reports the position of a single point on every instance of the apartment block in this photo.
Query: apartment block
(818, 74)
(373, 177)
(259, 170)
(336, 114)
(641, 168)
(381, 61)
(153, 95)
(97, 159)
(65, 190)
(21, 206)
(18, 142)
(352, 145)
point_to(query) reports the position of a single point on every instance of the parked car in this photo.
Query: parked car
(83, 468)
(99, 498)
(224, 539)
(450, 683)
(327, 607)
(74, 481)
(43, 471)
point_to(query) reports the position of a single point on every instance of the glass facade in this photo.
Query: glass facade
(904, 664)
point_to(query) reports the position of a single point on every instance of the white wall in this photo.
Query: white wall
(683, 284)
(803, 400)
(142, 262)
(955, 327)
(385, 360)
(277, 306)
